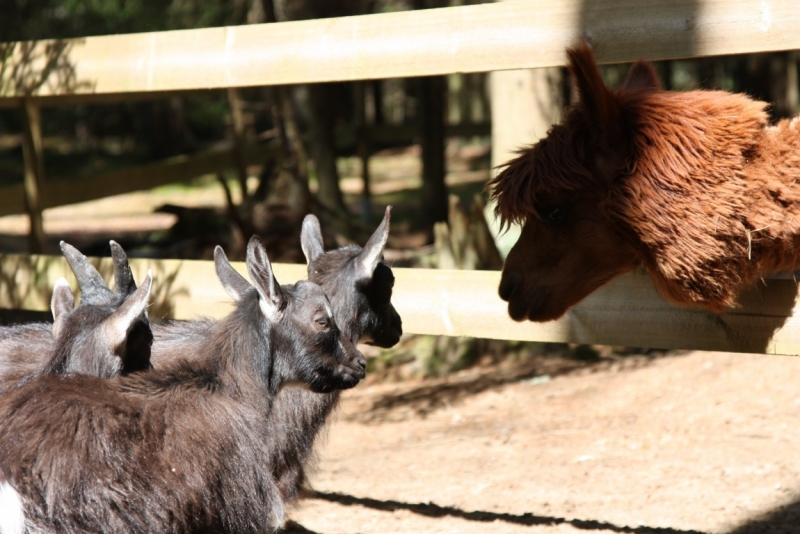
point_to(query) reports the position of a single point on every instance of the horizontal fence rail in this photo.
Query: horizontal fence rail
(628, 311)
(477, 38)
(171, 170)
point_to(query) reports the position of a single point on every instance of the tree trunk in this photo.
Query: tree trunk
(431, 109)
(321, 101)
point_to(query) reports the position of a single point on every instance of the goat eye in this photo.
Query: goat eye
(323, 321)
(555, 216)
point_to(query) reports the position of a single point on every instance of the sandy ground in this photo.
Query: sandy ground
(701, 442)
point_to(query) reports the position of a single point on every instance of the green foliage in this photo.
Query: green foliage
(59, 19)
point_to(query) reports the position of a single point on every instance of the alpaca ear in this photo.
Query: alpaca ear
(272, 299)
(311, 238)
(61, 304)
(117, 326)
(93, 287)
(594, 95)
(234, 283)
(613, 141)
(641, 76)
(123, 277)
(372, 254)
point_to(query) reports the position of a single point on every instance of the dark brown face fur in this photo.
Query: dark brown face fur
(561, 259)
(558, 190)
(569, 246)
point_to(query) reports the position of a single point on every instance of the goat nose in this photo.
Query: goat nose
(509, 283)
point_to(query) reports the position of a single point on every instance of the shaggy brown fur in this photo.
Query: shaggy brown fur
(695, 186)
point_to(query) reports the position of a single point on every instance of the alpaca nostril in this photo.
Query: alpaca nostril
(509, 283)
(362, 362)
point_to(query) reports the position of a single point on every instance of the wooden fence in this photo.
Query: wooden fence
(175, 169)
(507, 35)
(478, 38)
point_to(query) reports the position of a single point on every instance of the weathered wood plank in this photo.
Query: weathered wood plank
(477, 38)
(176, 169)
(33, 180)
(627, 311)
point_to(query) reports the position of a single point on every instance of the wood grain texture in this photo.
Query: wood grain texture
(628, 311)
(477, 38)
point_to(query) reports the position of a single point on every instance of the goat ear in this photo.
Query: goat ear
(641, 76)
(372, 254)
(61, 304)
(117, 326)
(234, 283)
(123, 277)
(311, 238)
(93, 287)
(595, 97)
(272, 299)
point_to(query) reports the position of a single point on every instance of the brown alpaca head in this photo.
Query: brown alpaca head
(629, 177)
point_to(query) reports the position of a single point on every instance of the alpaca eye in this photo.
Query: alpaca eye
(555, 216)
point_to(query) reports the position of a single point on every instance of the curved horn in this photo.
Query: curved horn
(123, 277)
(92, 285)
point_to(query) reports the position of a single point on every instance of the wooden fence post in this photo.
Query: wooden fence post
(362, 147)
(34, 174)
(525, 103)
(239, 141)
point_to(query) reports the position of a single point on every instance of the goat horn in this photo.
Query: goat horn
(123, 277)
(89, 280)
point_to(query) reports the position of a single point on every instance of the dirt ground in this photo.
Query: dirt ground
(699, 442)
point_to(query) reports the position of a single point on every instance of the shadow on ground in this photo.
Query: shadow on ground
(420, 399)
(434, 510)
(782, 520)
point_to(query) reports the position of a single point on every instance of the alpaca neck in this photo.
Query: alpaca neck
(771, 222)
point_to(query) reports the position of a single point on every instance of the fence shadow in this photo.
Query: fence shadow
(527, 519)
(782, 520)
(422, 399)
